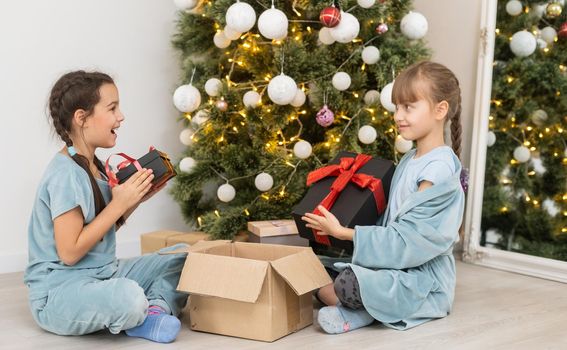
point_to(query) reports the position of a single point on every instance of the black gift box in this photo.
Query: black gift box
(354, 206)
(157, 161)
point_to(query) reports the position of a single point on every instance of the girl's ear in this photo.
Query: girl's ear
(79, 117)
(441, 110)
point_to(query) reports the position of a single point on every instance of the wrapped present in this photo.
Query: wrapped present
(275, 232)
(157, 161)
(354, 187)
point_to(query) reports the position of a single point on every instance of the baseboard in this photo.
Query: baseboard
(17, 262)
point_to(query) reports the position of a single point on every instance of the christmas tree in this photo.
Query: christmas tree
(284, 94)
(525, 195)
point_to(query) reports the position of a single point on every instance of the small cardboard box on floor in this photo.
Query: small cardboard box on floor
(250, 290)
(154, 241)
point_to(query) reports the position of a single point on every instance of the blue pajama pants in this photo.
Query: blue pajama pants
(87, 301)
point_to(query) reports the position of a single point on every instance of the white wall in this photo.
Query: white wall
(40, 40)
(453, 35)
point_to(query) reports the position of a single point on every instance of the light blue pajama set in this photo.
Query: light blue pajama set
(404, 265)
(99, 291)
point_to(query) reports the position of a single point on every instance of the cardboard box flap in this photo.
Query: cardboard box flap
(197, 247)
(204, 245)
(302, 271)
(223, 276)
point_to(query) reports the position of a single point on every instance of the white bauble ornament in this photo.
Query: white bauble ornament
(414, 25)
(341, 81)
(490, 139)
(200, 117)
(367, 134)
(282, 89)
(523, 43)
(186, 98)
(185, 5)
(402, 145)
(221, 41)
(298, 99)
(386, 97)
(371, 97)
(226, 193)
(213, 87)
(370, 54)
(514, 7)
(186, 136)
(548, 34)
(325, 36)
(366, 3)
(539, 117)
(522, 154)
(251, 99)
(542, 44)
(264, 182)
(273, 24)
(231, 34)
(187, 164)
(302, 149)
(539, 9)
(240, 17)
(347, 29)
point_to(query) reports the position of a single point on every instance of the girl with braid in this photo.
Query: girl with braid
(402, 272)
(76, 284)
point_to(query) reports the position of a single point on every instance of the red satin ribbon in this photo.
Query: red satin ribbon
(112, 179)
(345, 172)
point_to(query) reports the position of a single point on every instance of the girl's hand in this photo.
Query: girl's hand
(131, 192)
(328, 225)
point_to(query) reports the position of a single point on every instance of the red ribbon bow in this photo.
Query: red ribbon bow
(345, 172)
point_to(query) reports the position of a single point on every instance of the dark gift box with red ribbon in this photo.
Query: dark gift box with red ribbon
(354, 187)
(157, 161)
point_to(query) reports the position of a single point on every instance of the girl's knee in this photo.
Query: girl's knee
(347, 289)
(129, 301)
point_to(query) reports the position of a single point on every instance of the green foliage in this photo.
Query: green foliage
(517, 196)
(239, 143)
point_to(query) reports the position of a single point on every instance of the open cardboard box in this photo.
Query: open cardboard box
(249, 290)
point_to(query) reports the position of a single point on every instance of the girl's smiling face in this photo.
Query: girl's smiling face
(100, 128)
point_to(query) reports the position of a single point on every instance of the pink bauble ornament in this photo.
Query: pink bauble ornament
(325, 116)
(381, 28)
(221, 105)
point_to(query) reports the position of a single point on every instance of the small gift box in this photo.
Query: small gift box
(275, 232)
(354, 187)
(157, 161)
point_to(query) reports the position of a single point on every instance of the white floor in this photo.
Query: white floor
(492, 310)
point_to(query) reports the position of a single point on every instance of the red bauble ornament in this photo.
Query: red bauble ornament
(330, 16)
(562, 31)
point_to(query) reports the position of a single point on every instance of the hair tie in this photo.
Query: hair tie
(71, 151)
